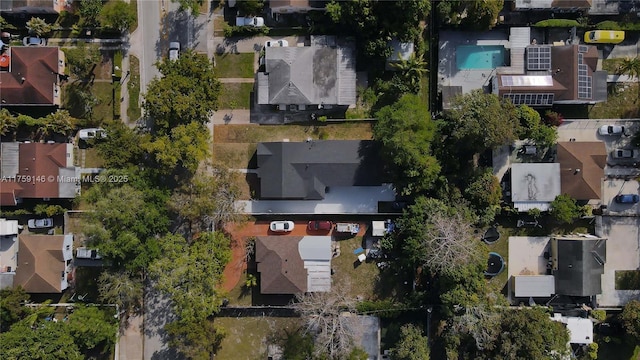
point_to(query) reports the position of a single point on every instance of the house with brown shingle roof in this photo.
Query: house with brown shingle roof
(564, 74)
(294, 264)
(34, 7)
(37, 171)
(44, 263)
(582, 169)
(32, 77)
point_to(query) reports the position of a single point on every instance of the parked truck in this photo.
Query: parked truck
(352, 228)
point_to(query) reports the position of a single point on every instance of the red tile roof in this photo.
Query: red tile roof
(38, 66)
(37, 175)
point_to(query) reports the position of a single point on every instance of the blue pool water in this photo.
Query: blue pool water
(476, 57)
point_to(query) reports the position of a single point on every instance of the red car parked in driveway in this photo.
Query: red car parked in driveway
(319, 225)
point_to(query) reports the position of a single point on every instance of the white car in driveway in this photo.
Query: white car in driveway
(86, 134)
(255, 21)
(40, 223)
(607, 130)
(276, 43)
(281, 226)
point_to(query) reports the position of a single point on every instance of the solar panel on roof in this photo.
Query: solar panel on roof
(526, 80)
(539, 99)
(583, 48)
(538, 58)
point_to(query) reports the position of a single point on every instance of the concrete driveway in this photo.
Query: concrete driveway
(623, 253)
(253, 44)
(611, 188)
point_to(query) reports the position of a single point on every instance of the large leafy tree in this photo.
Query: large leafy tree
(125, 221)
(117, 15)
(187, 92)
(192, 273)
(413, 345)
(479, 121)
(121, 148)
(81, 59)
(630, 318)
(196, 340)
(374, 22)
(479, 15)
(485, 332)
(183, 148)
(484, 193)
(532, 127)
(90, 12)
(8, 122)
(406, 131)
(11, 306)
(208, 198)
(565, 209)
(92, 328)
(47, 341)
(38, 26)
(439, 236)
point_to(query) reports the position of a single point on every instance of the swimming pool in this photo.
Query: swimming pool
(477, 57)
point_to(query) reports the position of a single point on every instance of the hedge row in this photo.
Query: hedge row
(604, 25)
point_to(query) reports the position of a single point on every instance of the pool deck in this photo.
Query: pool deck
(448, 73)
(513, 40)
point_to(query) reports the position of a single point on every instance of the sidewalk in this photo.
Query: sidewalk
(130, 344)
(228, 116)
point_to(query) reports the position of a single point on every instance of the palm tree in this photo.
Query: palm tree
(38, 26)
(412, 69)
(631, 67)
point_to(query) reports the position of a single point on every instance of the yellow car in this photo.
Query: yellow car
(604, 37)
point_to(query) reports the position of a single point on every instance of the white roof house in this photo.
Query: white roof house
(315, 252)
(580, 330)
(534, 185)
(8, 227)
(525, 286)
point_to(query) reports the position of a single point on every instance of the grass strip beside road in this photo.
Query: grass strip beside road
(134, 112)
(254, 134)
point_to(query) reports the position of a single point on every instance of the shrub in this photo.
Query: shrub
(381, 308)
(323, 135)
(599, 315)
(614, 25)
(557, 23)
(553, 118)
(246, 31)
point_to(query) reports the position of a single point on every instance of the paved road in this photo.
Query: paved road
(146, 40)
(157, 313)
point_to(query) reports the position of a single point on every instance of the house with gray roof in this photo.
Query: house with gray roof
(308, 170)
(578, 264)
(320, 75)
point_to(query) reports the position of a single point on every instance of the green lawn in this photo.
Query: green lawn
(91, 158)
(235, 65)
(615, 348)
(104, 92)
(134, 112)
(611, 65)
(628, 280)
(237, 95)
(622, 103)
(247, 337)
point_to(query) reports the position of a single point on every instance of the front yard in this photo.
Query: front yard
(247, 337)
(236, 95)
(230, 65)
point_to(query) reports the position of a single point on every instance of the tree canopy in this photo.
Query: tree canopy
(92, 328)
(565, 209)
(11, 306)
(406, 131)
(439, 236)
(533, 128)
(47, 341)
(630, 318)
(117, 15)
(413, 345)
(90, 12)
(187, 92)
(479, 121)
(192, 5)
(192, 273)
(478, 15)
(82, 58)
(484, 194)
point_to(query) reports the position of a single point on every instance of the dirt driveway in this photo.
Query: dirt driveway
(240, 232)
